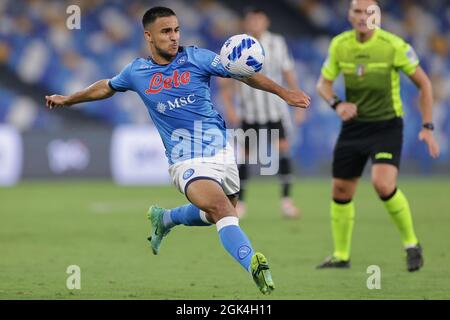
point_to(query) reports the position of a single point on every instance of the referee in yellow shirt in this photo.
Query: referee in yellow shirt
(370, 61)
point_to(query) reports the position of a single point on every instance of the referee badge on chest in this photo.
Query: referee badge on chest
(360, 70)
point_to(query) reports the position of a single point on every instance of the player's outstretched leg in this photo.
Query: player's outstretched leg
(156, 216)
(163, 220)
(210, 197)
(261, 273)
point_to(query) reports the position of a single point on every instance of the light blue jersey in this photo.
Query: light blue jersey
(178, 100)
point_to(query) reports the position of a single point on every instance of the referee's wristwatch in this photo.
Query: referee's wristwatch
(428, 125)
(334, 102)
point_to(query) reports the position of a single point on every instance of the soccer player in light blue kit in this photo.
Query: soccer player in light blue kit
(174, 85)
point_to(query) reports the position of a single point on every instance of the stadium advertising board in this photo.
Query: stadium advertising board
(67, 154)
(138, 156)
(10, 156)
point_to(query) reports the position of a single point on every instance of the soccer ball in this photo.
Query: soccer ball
(242, 55)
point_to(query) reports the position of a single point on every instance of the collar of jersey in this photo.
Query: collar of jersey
(367, 43)
(153, 62)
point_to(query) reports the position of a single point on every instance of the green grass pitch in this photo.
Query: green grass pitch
(102, 228)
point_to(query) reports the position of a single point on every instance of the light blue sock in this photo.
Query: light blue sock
(235, 241)
(189, 215)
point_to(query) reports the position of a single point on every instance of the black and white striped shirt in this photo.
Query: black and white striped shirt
(260, 107)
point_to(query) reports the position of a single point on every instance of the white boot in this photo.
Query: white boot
(289, 209)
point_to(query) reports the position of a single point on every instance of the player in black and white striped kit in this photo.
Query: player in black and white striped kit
(261, 110)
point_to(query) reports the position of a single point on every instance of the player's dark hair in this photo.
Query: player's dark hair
(154, 13)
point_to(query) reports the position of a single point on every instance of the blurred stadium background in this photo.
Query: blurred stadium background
(40, 56)
(46, 226)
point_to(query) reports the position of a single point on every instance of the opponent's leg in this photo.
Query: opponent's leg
(285, 174)
(249, 149)
(244, 175)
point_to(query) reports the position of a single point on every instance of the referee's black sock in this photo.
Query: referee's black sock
(243, 176)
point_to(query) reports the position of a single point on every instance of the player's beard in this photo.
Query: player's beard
(165, 54)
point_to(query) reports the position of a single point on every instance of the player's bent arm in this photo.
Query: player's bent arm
(295, 98)
(423, 83)
(97, 91)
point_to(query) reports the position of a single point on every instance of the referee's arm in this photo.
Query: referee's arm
(423, 83)
(325, 88)
(345, 110)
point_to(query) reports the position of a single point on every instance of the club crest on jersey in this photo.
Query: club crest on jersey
(181, 60)
(188, 173)
(159, 82)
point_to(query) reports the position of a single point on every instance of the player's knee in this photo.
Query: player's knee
(383, 187)
(220, 209)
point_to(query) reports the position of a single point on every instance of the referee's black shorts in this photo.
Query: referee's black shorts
(381, 141)
(269, 126)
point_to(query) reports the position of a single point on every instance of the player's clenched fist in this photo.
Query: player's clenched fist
(56, 100)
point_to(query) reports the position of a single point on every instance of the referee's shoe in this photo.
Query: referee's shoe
(414, 258)
(333, 262)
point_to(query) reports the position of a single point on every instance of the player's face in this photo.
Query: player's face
(256, 23)
(359, 14)
(163, 36)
